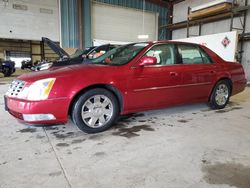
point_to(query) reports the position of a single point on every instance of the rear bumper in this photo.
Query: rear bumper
(35, 112)
(239, 86)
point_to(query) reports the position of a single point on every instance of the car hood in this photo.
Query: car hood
(57, 49)
(65, 71)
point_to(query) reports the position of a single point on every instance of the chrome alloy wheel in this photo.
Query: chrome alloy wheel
(97, 111)
(221, 94)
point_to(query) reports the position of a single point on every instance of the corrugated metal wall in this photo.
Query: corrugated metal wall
(86, 22)
(70, 22)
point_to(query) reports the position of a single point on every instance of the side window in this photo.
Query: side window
(205, 57)
(164, 53)
(190, 54)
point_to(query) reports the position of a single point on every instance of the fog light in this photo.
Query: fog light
(38, 117)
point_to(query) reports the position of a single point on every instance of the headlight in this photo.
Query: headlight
(38, 90)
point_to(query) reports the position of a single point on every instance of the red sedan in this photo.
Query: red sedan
(132, 78)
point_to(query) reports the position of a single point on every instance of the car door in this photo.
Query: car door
(198, 73)
(154, 86)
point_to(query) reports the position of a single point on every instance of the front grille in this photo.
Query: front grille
(15, 88)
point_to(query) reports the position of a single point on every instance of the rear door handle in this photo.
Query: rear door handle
(173, 74)
(212, 71)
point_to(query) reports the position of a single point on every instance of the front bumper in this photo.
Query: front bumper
(50, 111)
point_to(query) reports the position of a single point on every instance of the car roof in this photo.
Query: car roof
(165, 42)
(173, 42)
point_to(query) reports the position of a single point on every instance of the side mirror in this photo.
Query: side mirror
(147, 60)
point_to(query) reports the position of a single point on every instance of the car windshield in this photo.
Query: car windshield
(120, 55)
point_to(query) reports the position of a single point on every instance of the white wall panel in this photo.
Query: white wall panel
(182, 33)
(40, 19)
(216, 27)
(179, 34)
(246, 59)
(248, 20)
(116, 23)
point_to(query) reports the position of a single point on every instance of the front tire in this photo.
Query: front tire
(220, 95)
(95, 111)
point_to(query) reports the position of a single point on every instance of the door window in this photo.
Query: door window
(191, 54)
(165, 54)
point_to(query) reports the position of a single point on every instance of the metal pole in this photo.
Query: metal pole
(188, 21)
(80, 28)
(243, 32)
(232, 16)
(200, 24)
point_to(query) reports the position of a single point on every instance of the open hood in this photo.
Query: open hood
(57, 49)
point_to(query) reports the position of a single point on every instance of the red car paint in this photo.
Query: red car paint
(138, 88)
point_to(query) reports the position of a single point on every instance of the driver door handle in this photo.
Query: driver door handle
(173, 74)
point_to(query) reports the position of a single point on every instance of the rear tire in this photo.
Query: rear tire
(95, 111)
(220, 95)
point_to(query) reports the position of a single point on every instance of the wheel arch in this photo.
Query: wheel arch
(227, 78)
(108, 87)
